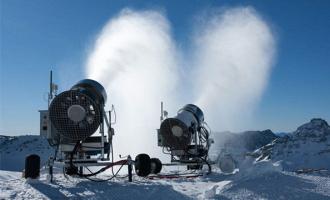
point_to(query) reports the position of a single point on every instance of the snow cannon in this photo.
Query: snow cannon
(69, 125)
(185, 136)
(177, 132)
(77, 113)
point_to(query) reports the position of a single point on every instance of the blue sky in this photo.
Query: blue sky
(39, 35)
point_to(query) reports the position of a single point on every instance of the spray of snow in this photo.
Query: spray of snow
(134, 57)
(234, 53)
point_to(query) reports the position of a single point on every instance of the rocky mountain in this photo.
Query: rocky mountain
(316, 128)
(307, 147)
(257, 139)
(249, 140)
(238, 144)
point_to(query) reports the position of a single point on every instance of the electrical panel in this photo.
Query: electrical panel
(44, 123)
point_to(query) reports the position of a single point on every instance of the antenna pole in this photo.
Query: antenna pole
(161, 112)
(50, 96)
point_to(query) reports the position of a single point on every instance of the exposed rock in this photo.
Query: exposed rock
(315, 128)
(307, 147)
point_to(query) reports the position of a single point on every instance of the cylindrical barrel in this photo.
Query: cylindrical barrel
(77, 113)
(176, 132)
(32, 166)
(91, 88)
(195, 111)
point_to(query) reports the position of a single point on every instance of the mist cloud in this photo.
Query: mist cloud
(136, 59)
(234, 54)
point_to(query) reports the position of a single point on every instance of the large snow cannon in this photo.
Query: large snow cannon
(77, 113)
(185, 136)
(73, 116)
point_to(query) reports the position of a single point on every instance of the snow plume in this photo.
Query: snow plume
(234, 56)
(137, 61)
(134, 57)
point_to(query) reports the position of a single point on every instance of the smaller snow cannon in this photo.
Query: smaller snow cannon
(185, 137)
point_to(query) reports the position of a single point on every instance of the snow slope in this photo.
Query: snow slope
(291, 167)
(270, 184)
(238, 144)
(13, 150)
(306, 148)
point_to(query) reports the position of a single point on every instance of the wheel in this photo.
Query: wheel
(227, 164)
(156, 165)
(142, 165)
(32, 166)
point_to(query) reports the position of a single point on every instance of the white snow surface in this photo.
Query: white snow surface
(253, 184)
(271, 172)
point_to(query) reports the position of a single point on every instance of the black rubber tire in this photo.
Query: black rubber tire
(32, 166)
(156, 165)
(142, 165)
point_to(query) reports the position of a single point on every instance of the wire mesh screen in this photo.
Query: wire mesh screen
(58, 113)
(170, 140)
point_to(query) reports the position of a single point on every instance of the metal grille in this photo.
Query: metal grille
(58, 113)
(172, 141)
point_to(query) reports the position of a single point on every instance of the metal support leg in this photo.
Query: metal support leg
(50, 168)
(51, 173)
(129, 165)
(102, 140)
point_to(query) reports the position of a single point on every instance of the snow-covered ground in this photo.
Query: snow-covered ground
(294, 167)
(269, 184)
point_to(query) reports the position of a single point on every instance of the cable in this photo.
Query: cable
(73, 152)
(175, 175)
(172, 177)
(203, 158)
(122, 162)
(88, 169)
(99, 148)
(108, 179)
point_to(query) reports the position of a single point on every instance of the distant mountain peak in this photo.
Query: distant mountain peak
(307, 147)
(315, 128)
